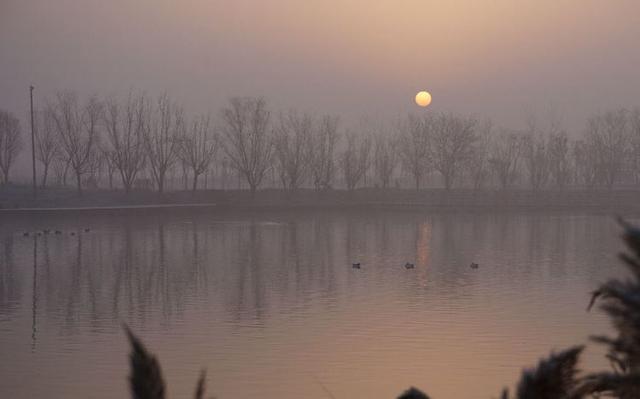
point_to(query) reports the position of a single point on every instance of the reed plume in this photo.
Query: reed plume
(200, 387)
(554, 378)
(620, 299)
(145, 380)
(413, 393)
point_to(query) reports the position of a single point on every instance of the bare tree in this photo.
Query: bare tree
(534, 151)
(414, 147)
(559, 161)
(545, 151)
(586, 163)
(94, 169)
(385, 157)
(198, 148)
(293, 149)
(224, 173)
(505, 156)
(324, 142)
(355, 159)
(77, 128)
(247, 141)
(162, 139)
(184, 167)
(10, 142)
(536, 160)
(47, 148)
(126, 126)
(451, 141)
(477, 164)
(60, 168)
(608, 133)
(108, 157)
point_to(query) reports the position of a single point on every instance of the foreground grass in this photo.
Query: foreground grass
(554, 377)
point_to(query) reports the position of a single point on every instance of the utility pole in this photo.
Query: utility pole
(33, 146)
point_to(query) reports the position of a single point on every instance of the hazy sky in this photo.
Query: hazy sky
(497, 59)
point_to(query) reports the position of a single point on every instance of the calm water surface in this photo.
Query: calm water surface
(270, 305)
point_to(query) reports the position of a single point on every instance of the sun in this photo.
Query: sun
(423, 98)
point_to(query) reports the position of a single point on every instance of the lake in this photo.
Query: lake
(270, 304)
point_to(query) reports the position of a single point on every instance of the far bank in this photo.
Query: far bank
(622, 201)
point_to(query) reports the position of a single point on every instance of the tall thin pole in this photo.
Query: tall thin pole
(33, 146)
(34, 298)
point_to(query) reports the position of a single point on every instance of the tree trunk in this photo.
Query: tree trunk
(160, 182)
(79, 183)
(195, 182)
(610, 180)
(44, 175)
(185, 179)
(447, 182)
(65, 173)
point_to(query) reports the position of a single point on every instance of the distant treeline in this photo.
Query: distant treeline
(143, 143)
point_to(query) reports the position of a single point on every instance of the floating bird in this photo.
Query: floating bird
(25, 234)
(409, 265)
(474, 265)
(39, 233)
(87, 230)
(73, 233)
(58, 232)
(46, 231)
(356, 265)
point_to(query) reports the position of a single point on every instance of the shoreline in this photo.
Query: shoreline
(619, 201)
(353, 207)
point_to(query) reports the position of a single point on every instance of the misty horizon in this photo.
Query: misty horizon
(493, 60)
(498, 61)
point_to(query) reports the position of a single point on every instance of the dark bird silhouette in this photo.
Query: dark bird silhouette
(409, 266)
(87, 230)
(46, 231)
(39, 233)
(58, 232)
(474, 265)
(25, 234)
(73, 233)
(356, 265)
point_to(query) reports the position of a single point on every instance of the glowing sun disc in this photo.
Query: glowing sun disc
(423, 98)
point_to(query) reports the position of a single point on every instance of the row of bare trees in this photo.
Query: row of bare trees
(138, 142)
(10, 142)
(540, 156)
(124, 138)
